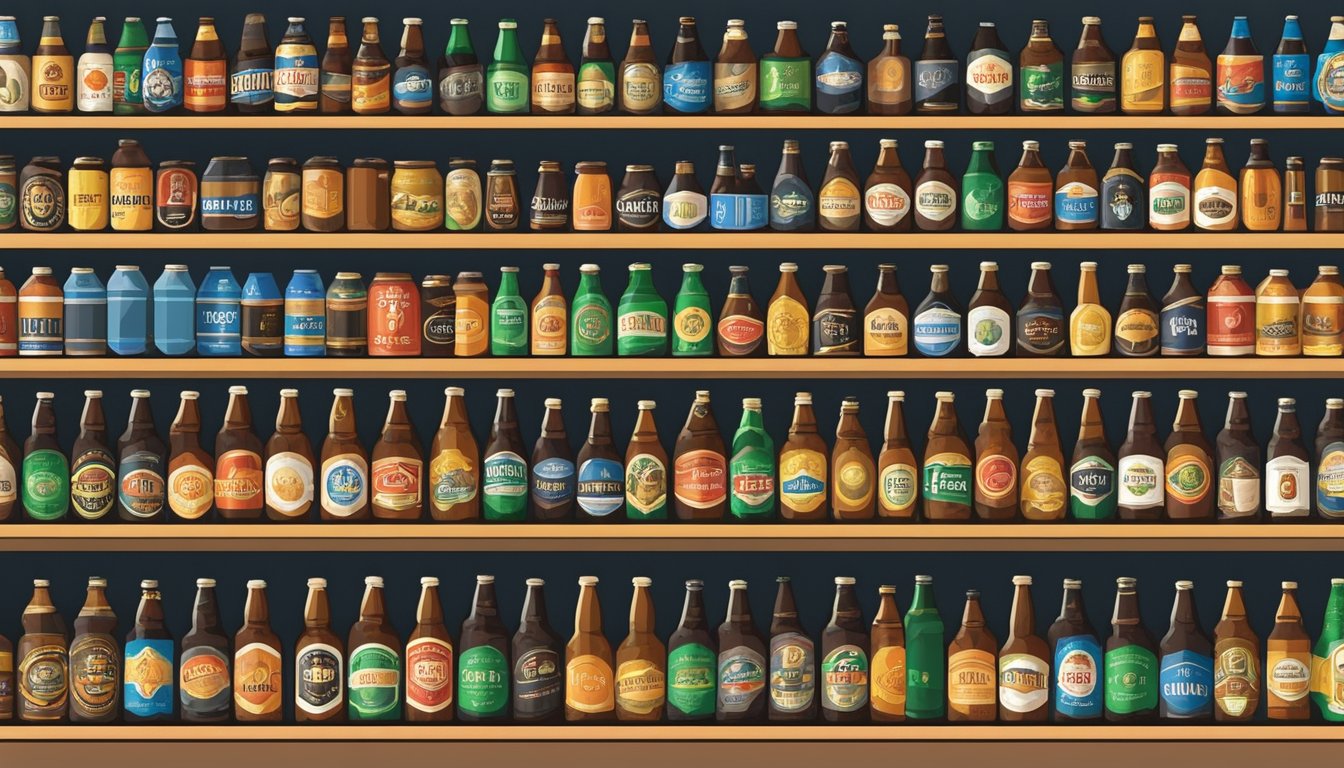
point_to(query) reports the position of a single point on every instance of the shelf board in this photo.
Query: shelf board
(113, 367)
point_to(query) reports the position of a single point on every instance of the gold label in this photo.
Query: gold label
(88, 209)
(1044, 492)
(971, 680)
(640, 686)
(888, 680)
(853, 483)
(786, 330)
(132, 199)
(589, 687)
(885, 333)
(1142, 81)
(1090, 330)
(549, 321)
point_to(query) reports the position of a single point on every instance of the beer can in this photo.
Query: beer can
(394, 316)
(41, 316)
(280, 197)
(219, 328)
(305, 315)
(174, 311)
(263, 316)
(128, 311)
(417, 196)
(438, 306)
(175, 194)
(87, 209)
(347, 316)
(368, 195)
(9, 192)
(323, 207)
(462, 195)
(42, 195)
(9, 317)
(85, 313)
(230, 195)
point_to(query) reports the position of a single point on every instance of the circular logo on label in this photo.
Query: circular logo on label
(693, 324)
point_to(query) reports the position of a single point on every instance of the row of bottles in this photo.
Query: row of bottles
(139, 75)
(894, 670)
(1187, 477)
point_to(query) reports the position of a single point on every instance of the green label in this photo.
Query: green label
(508, 326)
(645, 488)
(691, 679)
(925, 667)
(947, 481)
(595, 88)
(982, 201)
(1043, 86)
(1092, 489)
(375, 683)
(1131, 679)
(504, 486)
(752, 482)
(505, 90)
(46, 484)
(844, 679)
(482, 681)
(786, 84)
(590, 333)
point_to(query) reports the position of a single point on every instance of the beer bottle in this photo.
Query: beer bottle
(645, 469)
(1215, 191)
(371, 73)
(141, 463)
(589, 684)
(1030, 187)
(685, 206)
(257, 669)
(853, 488)
(989, 324)
(552, 468)
(374, 676)
(1236, 670)
(131, 186)
(1188, 464)
(296, 70)
(1241, 73)
(787, 324)
(691, 658)
(897, 470)
(508, 317)
(793, 207)
(946, 480)
(639, 81)
(786, 74)
(345, 466)
(886, 319)
(641, 316)
(205, 676)
(483, 667)
(937, 78)
(1024, 663)
(889, 87)
(1077, 659)
(887, 680)
(396, 477)
(601, 475)
(886, 192)
(935, 192)
(595, 88)
(1123, 200)
(1329, 189)
(506, 76)
(982, 193)
(1186, 679)
(191, 471)
(839, 74)
(1323, 314)
(1292, 71)
(996, 461)
(845, 659)
(1039, 324)
(752, 200)
(835, 330)
(1092, 474)
(989, 73)
(700, 470)
(43, 670)
(1191, 72)
(319, 658)
(686, 78)
(1330, 461)
(802, 466)
(1183, 318)
(641, 662)
(11, 467)
(1042, 66)
(1090, 321)
(735, 72)
(552, 74)
(752, 467)
(1136, 327)
(1328, 65)
(412, 85)
(1076, 191)
(148, 665)
(971, 675)
(95, 663)
(1142, 70)
(1261, 190)
(1288, 661)
(1044, 490)
(461, 77)
(1131, 669)
(590, 327)
(538, 682)
(1232, 325)
(250, 79)
(1238, 459)
(793, 663)
(741, 326)
(53, 71)
(289, 463)
(1294, 195)
(925, 658)
(206, 71)
(692, 323)
(1092, 73)
(1278, 330)
(337, 71)
(93, 71)
(936, 330)
(239, 471)
(45, 471)
(429, 660)
(504, 468)
(93, 473)
(1140, 472)
(742, 662)
(1326, 657)
(1287, 490)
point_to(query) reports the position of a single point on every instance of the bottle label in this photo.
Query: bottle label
(93, 484)
(413, 88)
(460, 89)
(296, 77)
(15, 96)
(1238, 487)
(43, 203)
(1141, 481)
(645, 485)
(45, 479)
(971, 680)
(148, 670)
(553, 482)
(1029, 201)
(345, 487)
(429, 674)
(640, 684)
(802, 479)
(1090, 330)
(947, 478)
(844, 679)
(595, 90)
(94, 76)
(936, 84)
(1078, 689)
(701, 478)
(1292, 73)
(1241, 83)
(205, 680)
(538, 684)
(143, 491)
(553, 91)
(1286, 491)
(1190, 86)
(319, 679)
(1076, 203)
(504, 485)
(1169, 198)
(1044, 492)
(1136, 331)
(785, 84)
(937, 331)
(752, 471)
(995, 476)
(506, 91)
(741, 678)
(982, 201)
(251, 86)
(989, 330)
(375, 682)
(1043, 86)
(787, 327)
(1330, 480)
(1288, 675)
(691, 326)
(835, 331)
(601, 486)
(482, 680)
(740, 334)
(691, 680)
(640, 86)
(191, 491)
(396, 482)
(1183, 326)
(1215, 206)
(887, 204)
(685, 209)
(989, 76)
(734, 85)
(95, 672)
(1040, 329)
(889, 80)
(935, 200)
(641, 330)
(588, 686)
(1122, 200)
(452, 478)
(887, 691)
(793, 668)
(336, 86)
(791, 204)
(839, 76)
(1322, 325)
(1186, 681)
(1327, 677)
(257, 679)
(1187, 473)
(592, 328)
(1236, 675)
(289, 483)
(42, 676)
(1329, 81)
(899, 484)
(239, 480)
(1092, 489)
(371, 88)
(1231, 324)
(739, 213)
(686, 86)
(1024, 682)
(853, 480)
(1142, 81)
(885, 332)
(1276, 325)
(1131, 680)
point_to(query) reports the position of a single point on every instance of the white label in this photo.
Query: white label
(9, 487)
(886, 203)
(89, 99)
(935, 200)
(1141, 479)
(685, 209)
(989, 74)
(345, 485)
(1225, 203)
(1024, 682)
(987, 331)
(1169, 189)
(289, 482)
(1286, 487)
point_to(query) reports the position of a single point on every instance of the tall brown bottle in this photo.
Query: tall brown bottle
(1189, 476)
(936, 192)
(549, 335)
(191, 471)
(95, 659)
(11, 469)
(1261, 190)
(1076, 191)
(1287, 471)
(429, 660)
(1092, 71)
(787, 319)
(1045, 491)
(692, 659)
(971, 668)
(590, 687)
(845, 659)
(1140, 472)
(344, 483)
(890, 91)
(552, 74)
(1236, 661)
(886, 318)
(1137, 324)
(148, 667)
(371, 73)
(803, 469)
(397, 475)
(839, 201)
(1041, 68)
(996, 463)
(639, 86)
(600, 490)
(700, 469)
(946, 481)
(735, 78)
(886, 697)
(483, 667)
(1078, 659)
(741, 326)
(1288, 661)
(740, 696)
(595, 87)
(835, 322)
(645, 469)
(853, 474)
(1131, 668)
(641, 662)
(42, 660)
(793, 661)
(887, 191)
(319, 661)
(239, 470)
(289, 463)
(1024, 663)
(989, 316)
(93, 470)
(1191, 72)
(258, 676)
(141, 463)
(1041, 327)
(538, 680)
(337, 63)
(553, 477)
(1092, 479)
(454, 463)
(1238, 463)
(204, 676)
(373, 682)
(1030, 191)
(897, 467)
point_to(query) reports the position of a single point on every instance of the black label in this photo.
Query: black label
(1122, 202)
(639, 208)
(538, 689)
(439, 329)
(834, 330)
(263, 327)
(319, 681)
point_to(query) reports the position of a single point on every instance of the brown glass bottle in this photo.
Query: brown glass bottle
(936, 192)
(413, 85)
(1288, 661)
(589, 683)
(989, 317)
(454, 463)
(429, 660)
(686, 85)
(595, 87)
(191, 471)
(1287, 472)
(371, 73)
(483, 694)
(897, 467)
(787, 322)
(1214, 193)
(344, 481)
(337, 62)
(1236, 661)
(149, 660)
(1185, 657)
(95, 659)
(1092, 71)
(742, 676)
(890, 90)
(793, 661)
(803, 466)
(1024, 680)
(844, 659)
(375, 661)
(204, 678)
(1076, 191)
(1191, 72)
(1131, 661)
(996, 463)
(946, 482)
(239, 470)
(93, 478)
(937, 72)
(971, 669)
(887, 192)
(1041, 65)
(835, 322)
(839, 201)
(692, 660)
(289, 463)
(700, 469)
(1239, 465)
(42, 660)
(600, 487)
(645, 469)
(741, 325)
(1169, 187)
(989, 73)
(735, 72)
(319, 661)
(44, 469)
(853, 489)
(550, 316)
(11, 468)
(538, 689)
(1140, 471)
(552, 74)
(1078, 660)
(1329, 433)
(1030, 192)
(250, 81)
(886, 318)
(257, 669)
(639, 84)
(641, 662)
(1294, 195)
(553, 478)
(141, 462)
(886, 643)
(1189, 463)
(1136, 325)
(1040, 326)
(1045, 489)
(397, 473)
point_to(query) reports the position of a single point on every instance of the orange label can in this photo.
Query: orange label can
(394, 316)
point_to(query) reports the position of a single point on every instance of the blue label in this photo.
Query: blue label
(9, 33)
(601, 486)
(792, 204)
(803, 484)
(1330, 480)
(936, 77)
(738, 212)
(1078, 688)
(218, 327)
(553, 481)
(148, 677)
(1183, 325)
(937, 330)
(243, 205)
(838, 74)
(1122, 202)
(300, 328)
(1076, 203)
(1291, 75)
(296, 76)
(251, 86)
(344, 484)
(686, 86)
(1186, 684)
(162, 84)
(413, 85)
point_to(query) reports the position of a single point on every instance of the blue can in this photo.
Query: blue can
(85, 313)
(263, 316)
(219, 329)
(174, 305)
(305, 315)
(161, 73)
(128, 312)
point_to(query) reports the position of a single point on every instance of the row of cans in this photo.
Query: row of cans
(223, 319)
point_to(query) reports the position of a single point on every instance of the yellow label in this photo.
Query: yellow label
(887, 688)
(132, 199)
(549, 326)
(1190, 86)
(853, 484)
(452, 479)
(802, 479)
(839, 201)
(1138, 327)
(1261, 199)
(1288, 675)
(1044, 492)
(191, 491)
(1277, 333)
(323, 193)
(972, 679)
(787, 326)
(588, 687)
(88, 209)
(692, 325)
(1322, 324)
(257, 679)
(885, 333)
(640, 686)
(1143, 81)
(53, 81)
(1090, 330)
(469, 321)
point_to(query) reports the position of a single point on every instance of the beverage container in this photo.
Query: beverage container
(735, 73)
(1090, 321)
(1232, 314)
(257, 670)
(370, 73)
(348, 322)
(1141, 469)
(230, 195)
(1186, 660)
(429, 660)
(127, 311)
(1041, 65)
(1322, 314)
(252, 74)
(552, 74)
(205, 687)
(289, 493)
(751, 469)
(937, 72)
(996, 463)
(1325, 655)
(94, 71)
(553, 475)
(700, 465)
(205, 80)
(42, 196)
(686, 78)
(93, 468)
(1292, 70)
(1183, 321)
(89, 204)
(85, 318)
(150, 664)
(1288, 661)
(937, 326)
(262, 316)
(925, 657)
(839, 78)
(1278, 330)
(599, 470)
(538, 690)
(1192, 73)
(835, 321)
(335, 76)
(191, 470)
(412, 84)
(506, 80)
(1137, 325)
(343, 479)
(935, 192)
(1143, 73)
(41, 693)
(1238, 460)
(504, 473)
(1215, 191)
(142, 461)
(890, 91)
(845, 660)
(787, 321)
(1240, 73)
(454, 463)
(786, 74)
(1024, 663)
(1236, 669)
(1131, 667)
(972, 677)
(1287, 469)
(1092, 72)
(374, 675)
(1077, 660)
(177, 196)
(989, 316)
(484, 691)
(853, 489)
(53, 71)
(461, 76)
(1076, 191)
(946, 481)
(95, 659)
(742, 663)
(989, 73)
(15, 91)
(645, 469)
(162, 70)
(1123, 199)
(297, 71)
(305, 315)
(319, 661)
(1189, 467)
(803, 466)
(595, 83)
(692, 660)
(590, 692)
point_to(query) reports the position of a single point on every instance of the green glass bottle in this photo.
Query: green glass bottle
(127, 60)
(925, 655)
(751, 472)
(1327, 658)
(508, 317)
(590, 328)
(641, 317)
(982, 194)
(506, 85)
(692, 322)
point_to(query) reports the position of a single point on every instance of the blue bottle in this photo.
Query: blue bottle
(305, 315)
(263, 316)
(128, 312)
(1292, 69)
(174, 311)
(219, 315)
(1328, 80)
(85, 313)
(162, 80)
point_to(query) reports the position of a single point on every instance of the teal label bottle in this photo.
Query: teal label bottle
(506, 78)
(641, 317)
(751, 471)
(508, 317)
(590, 325)
(692, 319)
(925, 655)
(982, 196)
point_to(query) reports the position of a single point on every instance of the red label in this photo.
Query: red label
(238, 481)
(741, 330)
(995, 476)
(394, 319)
(396, 482)
(205, 85)
(701, 478)
(752, 485)
(1231, 321)
(429, 674)
(1029, 201)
